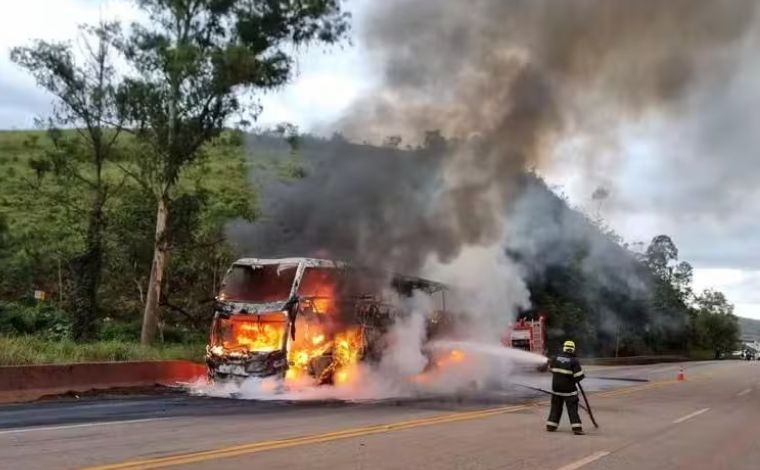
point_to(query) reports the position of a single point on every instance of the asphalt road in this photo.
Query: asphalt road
(711, 421)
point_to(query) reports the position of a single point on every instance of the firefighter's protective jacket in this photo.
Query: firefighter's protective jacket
(566, 372)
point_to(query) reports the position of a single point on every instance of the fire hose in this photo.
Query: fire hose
(586, 408)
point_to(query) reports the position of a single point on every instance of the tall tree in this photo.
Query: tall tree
(660, 254)
(86, 104)
(715, 302)
(716, 328)
(683, 274)
(193, 60)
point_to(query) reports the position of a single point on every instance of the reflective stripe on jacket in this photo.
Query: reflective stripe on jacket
(566, 372)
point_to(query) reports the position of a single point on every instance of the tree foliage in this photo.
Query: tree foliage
(716, 328)
(86, 100)
(660, 256)
(193, 61)
(40, 234)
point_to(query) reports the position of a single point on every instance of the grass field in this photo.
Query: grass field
(224, 165)
(45, 219)
(22, 350)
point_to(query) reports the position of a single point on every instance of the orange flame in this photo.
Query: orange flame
(348, 347)
(341, 377)
(317, 339)
(455, 356)
(254, 333)
(449, 359)
(316, 352)
(323, 305)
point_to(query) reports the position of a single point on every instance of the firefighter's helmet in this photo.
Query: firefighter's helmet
(569, 346)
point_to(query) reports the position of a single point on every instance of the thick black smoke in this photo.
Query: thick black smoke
(358, 203)
(505, 81)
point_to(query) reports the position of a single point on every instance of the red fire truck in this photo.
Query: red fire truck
(528, 335)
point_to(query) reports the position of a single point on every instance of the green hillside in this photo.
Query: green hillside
(42, 227)
(750, 328)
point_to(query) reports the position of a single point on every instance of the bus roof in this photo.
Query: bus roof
(399, 281)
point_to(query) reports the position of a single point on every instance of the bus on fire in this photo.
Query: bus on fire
(308, 318)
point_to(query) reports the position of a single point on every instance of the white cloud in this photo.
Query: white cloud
(661, 181)
(22, 22)
(324, 86)
(326, 82)
(740, 286)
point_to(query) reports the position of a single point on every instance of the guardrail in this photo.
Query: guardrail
(31, 382)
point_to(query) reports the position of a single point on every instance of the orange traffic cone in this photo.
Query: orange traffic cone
(680, 377)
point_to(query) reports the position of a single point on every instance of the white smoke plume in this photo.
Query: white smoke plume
(403, 356)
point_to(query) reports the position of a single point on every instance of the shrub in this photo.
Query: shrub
(41, 319)
(19, 350)
(120, 331)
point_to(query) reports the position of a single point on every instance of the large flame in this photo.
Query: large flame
(259, 333)
(324, 347)
(323, 354)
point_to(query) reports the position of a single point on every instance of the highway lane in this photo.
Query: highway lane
(476, 431)
(177, 403)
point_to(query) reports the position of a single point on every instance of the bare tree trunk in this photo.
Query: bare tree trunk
(161, 248)
(138, 283)
(60, 283)
(160, 259)
(86, 270)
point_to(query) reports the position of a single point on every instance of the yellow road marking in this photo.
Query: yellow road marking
(194, 457)
(226, 452)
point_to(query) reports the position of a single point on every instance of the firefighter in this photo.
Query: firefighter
(566, 373)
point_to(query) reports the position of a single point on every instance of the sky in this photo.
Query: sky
(714, 218)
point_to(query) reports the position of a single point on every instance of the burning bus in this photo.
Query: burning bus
(307, 318)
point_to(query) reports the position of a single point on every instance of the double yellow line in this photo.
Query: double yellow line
(253, 448)
(195, 457)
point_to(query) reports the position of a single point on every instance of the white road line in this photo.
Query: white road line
(690, 415)
(73, 426)
(743, 392)
(585, 461)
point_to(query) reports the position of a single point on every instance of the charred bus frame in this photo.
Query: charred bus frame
(265, 304)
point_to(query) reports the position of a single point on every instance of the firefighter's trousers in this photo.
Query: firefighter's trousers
(555, 414)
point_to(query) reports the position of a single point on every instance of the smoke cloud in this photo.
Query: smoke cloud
(508, 81)
(473, 94)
